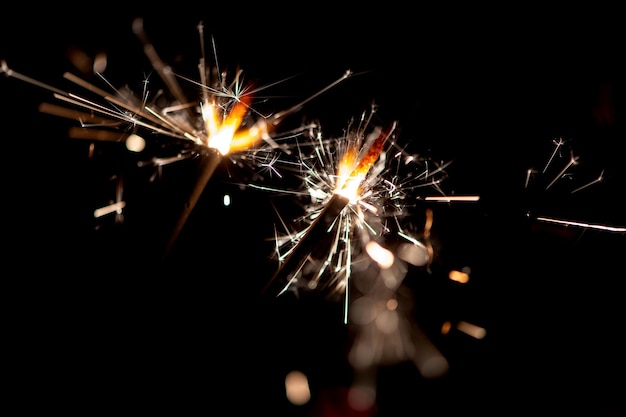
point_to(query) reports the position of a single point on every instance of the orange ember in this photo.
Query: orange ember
(350, 179)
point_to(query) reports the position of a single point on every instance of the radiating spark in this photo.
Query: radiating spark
(452, 198)
(572, 161)
(558, 144)
(618, 229)
(582, 187)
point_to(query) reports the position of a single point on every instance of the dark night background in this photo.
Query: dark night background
(93, 322)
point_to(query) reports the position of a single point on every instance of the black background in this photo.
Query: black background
(95, 322)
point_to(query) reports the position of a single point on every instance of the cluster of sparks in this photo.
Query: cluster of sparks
(356, 190)
(358, 236)
(361, 193)
(559, 172)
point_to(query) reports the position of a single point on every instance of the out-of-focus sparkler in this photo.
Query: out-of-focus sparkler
(221, 122)
(385, 332)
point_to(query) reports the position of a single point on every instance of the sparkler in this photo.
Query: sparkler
(352, 171)
(358, 187)
(361, 187)
(218, 124)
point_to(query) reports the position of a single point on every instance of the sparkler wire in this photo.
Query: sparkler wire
(210, 159)
(305, 248)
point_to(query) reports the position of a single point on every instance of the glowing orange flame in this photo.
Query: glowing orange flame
(352, 172)
(224, 134)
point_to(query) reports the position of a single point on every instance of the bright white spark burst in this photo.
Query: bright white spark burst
(390, 190)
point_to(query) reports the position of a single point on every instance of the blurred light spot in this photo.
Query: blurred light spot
(392, 277)
(297, 388)
(471, 329)
(458, 276)
(100, 63)
(362, 310)
(361, 355)
(387, 321)
(135, 143)
(382, 256)
(361, 398)
(445, 327)
(392, 304)
(428, 359)
(79, 59)
(414, 253)
(434, 366)
(226, 200)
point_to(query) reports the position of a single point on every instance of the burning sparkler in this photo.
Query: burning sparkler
(366, 220)
(367, 223)
(352, 171)
(359, 188)
(220, 123)
(334, 219)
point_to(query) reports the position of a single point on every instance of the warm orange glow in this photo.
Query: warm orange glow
(458, 276)
(446, 327)
(346, 169)
(352, 172)
(248, 138)
(297, 388)
(223, 133)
